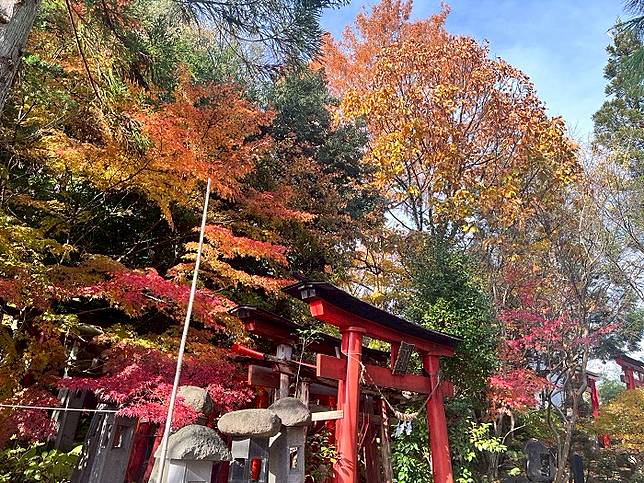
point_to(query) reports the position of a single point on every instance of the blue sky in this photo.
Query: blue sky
(560, 44)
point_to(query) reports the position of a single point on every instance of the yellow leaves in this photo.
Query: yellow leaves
(623, 420)
(469, 229)
(566, 173)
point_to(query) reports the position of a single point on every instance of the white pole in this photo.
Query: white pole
(184, 337)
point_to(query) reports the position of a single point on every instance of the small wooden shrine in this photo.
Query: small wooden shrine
(349, 378)
(356, 319)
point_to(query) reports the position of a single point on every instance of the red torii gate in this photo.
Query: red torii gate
(633, 371)
(592, 379)
(355, 319)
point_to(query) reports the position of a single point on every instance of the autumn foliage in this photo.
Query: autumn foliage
(455, 136)
(406, 163)
(207, 131)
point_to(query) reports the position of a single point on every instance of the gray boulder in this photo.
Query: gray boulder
(197, 398)
(292, 412)
(196, 443)
(250, 422)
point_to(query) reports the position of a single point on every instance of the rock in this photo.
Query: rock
(291, 411)
(250, 422)
(541, 463)
(196, 443)
(197, 398)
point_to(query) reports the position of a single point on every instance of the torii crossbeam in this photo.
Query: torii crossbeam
(355, 319)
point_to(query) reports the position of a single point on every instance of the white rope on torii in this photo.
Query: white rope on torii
(184, 337)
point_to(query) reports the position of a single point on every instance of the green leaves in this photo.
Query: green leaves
(35, 464)
(446, 296)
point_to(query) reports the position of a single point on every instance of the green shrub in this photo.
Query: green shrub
(37, 464)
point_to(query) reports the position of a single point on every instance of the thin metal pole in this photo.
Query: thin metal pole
(184, 337)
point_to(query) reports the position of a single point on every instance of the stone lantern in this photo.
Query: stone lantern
(287, 447)
(192, 451)
(251, 430)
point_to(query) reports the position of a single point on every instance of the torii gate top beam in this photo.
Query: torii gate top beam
(633, 371)
(337, 307)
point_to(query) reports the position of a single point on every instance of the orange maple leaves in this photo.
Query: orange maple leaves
(208, 130)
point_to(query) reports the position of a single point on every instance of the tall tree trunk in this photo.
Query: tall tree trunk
(16, 19)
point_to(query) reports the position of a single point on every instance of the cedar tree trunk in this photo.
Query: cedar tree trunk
(16, 19)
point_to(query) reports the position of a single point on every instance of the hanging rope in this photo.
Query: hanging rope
(404, 417)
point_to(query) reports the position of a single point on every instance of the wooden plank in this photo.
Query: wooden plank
(322, 390)
(447, 389)
(330, 367)
(402, 359)
(333, 368)
(327, 415)
(267, 377)
(263, 376)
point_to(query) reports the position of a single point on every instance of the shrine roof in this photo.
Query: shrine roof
(624, 360)
(250, 311)
(278, 327)
(309, 291)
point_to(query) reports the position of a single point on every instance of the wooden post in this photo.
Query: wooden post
(439, 444)
(284, 352)
(303, 392)
(340, 396)
(394, 354)
(346, 468)
(385, 444)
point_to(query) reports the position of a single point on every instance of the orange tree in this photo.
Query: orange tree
(459, 140)
(466, 155)
(623, 419)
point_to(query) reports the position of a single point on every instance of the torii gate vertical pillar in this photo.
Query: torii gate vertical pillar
(346, 468)
(594, 397)
(629, 379)
(438, 441)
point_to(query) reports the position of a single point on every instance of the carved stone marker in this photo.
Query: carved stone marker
(541, 463)
(67, 422)
(106, 450)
